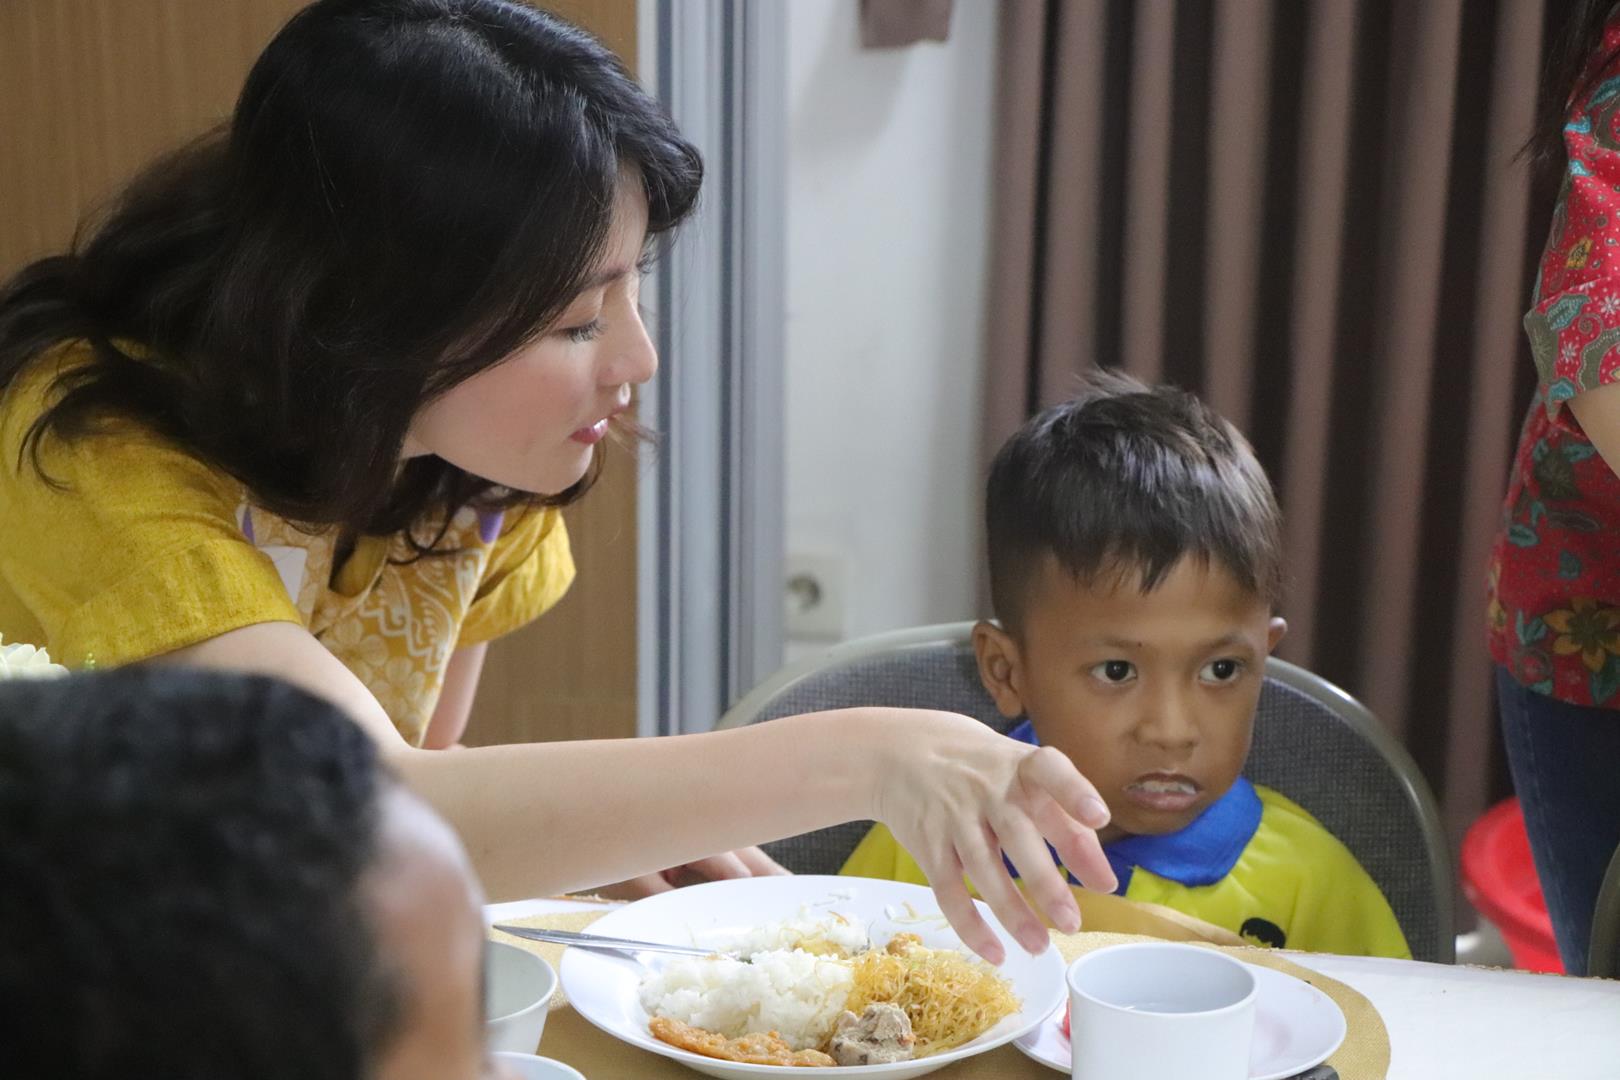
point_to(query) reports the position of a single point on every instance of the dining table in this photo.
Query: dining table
(1445, 1022)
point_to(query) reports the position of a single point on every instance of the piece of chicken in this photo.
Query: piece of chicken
(880, 1035)
(901, 944)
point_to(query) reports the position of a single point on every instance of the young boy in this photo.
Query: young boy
(1135, 572)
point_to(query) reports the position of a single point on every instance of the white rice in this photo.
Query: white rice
(793, 934)
(790, 992)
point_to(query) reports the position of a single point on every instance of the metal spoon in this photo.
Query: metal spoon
(606, 944)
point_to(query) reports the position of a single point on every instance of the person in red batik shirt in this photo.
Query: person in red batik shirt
(1554, 613)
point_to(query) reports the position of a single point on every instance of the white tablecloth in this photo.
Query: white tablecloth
(1482, 1024)
(1445, 1023)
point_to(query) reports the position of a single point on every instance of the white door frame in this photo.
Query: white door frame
(711, 506)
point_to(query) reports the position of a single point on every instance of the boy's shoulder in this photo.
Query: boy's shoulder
(1289, 830)
(1333, 902)
(1286, 810)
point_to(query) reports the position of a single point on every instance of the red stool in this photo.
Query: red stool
(1499, 879)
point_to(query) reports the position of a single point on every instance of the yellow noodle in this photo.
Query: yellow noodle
(949, 998)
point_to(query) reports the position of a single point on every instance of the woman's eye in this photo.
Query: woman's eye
(1221, 671)
(1115, 671)
(589, 332)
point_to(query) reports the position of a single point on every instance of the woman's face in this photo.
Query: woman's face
(532, 422)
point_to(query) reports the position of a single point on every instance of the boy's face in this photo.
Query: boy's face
(1152, 695)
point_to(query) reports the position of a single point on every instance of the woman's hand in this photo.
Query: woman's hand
(742, 863)
(956, 795)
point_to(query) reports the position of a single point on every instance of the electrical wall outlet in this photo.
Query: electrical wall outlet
(815, 591)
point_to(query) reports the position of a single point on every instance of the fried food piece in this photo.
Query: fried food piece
(767, 1049)
(901, 944)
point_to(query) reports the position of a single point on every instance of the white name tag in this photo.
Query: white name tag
(289, 563)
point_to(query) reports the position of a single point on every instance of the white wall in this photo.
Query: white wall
(889, 155)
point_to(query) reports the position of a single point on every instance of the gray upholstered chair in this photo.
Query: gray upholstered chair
(1603, 959)
(1312, 742)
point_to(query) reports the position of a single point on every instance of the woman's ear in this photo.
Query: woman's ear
(999, 667)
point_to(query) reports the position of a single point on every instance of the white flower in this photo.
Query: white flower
(1610, 304)
(26, 662)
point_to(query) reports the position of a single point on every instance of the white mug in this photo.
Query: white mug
(1160, 1011)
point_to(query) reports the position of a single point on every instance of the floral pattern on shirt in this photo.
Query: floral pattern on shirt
(1553, 618)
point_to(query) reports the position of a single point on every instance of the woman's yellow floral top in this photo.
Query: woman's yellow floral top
(143, 550)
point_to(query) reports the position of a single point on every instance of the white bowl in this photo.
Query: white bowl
(520, 988)
(529, 1067)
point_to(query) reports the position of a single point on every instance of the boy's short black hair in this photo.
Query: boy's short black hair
(1128, 479)
(179, 862)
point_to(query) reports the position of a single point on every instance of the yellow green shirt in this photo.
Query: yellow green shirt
(1254, 863)
(143, 549)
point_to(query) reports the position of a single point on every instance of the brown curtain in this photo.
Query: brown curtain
(1311, 214)
(893, 24)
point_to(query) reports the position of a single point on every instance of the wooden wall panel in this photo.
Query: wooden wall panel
(572, 674)
(91, 89)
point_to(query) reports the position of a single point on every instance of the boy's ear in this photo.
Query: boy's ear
(1274, 636)
(997, 654)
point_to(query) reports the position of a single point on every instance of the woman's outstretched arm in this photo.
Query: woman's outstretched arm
(545, 818)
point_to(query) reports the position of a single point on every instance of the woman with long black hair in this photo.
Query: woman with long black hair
(305, 403)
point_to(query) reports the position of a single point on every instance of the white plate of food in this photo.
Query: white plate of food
(1296, 1028)
(814, 945)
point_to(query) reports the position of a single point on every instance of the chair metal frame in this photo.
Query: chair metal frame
(1324, 693)
(1603, 958)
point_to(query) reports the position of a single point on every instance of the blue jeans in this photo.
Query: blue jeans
(1566, 767)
